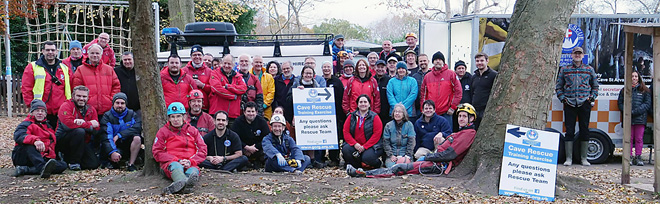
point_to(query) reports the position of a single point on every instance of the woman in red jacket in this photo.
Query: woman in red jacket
(34, 151)
(361, 83)
(362, 133)
(179, 147)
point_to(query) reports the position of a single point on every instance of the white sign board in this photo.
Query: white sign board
(529, 163)
(316, 124)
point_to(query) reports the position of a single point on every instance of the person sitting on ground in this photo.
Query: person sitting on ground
(362, 132)
(121, 132)
(78, 122)
(281, 152)
(34, 151)
(224, 147)
(251, 129)
(429, 128)
(179, 147)
(450, 152)
(398, 137)
(195, 116)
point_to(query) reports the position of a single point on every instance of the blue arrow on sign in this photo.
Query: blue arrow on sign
(515, 132)
(326, 94)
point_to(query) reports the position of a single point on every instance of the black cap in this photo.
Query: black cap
(196, 48)
(460, 63)
(381, 62)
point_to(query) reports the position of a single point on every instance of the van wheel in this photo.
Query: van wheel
(598, 150)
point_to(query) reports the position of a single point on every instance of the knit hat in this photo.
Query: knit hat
(37, 104)
(349, 62)
(196, 48)
(460, 63)
(438, 55)
(119, 95)
(401, 65)
(75, 44)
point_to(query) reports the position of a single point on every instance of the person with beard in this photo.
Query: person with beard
(48, 80)
(34, 151)
(200, 72)
(383, 79)
(128, 80)
(75, 56)
(251, 130)
(99, 78)
(450, 152)
(280, 150)
(361, 83)
(121, 133)
(107, 52)
(254, 91)
(227, 88)
(423, 62)
(333, 82)
(179, 149)
(195, 116)
(176, 83)
(78, 122)
(224, 147)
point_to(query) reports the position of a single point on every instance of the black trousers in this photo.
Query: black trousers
(583, 114)
(369, 158)
(227, 166)
(28, 155)
(76, 151)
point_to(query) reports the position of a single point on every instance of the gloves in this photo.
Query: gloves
(280, 160)
(299, 163)
(421, 158)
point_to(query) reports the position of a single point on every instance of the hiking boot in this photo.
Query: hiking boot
(353, 172)
(633, 160)
(20, 171)
(639, 162)
(175, 187)
(333, 164)
(318, 165)
(131, 168)
(48, 168)
(192, 180)
(74, 167)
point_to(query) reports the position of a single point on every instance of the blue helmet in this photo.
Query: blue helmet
(176, 108)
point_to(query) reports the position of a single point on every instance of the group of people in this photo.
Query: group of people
(228, 116)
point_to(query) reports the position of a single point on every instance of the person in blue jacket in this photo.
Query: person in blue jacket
(121, 134)
(402, 89)
(282, 153)
(430, 129)
(399, 137)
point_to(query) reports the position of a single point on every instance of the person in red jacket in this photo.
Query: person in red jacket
(362, 132)
(108, 54)
(348, 69)
(34, 151)
(176, 82)
(75, 56)
(254, 91)
(78, 122)
(442, 86)
(195, 116)
(450, 152)
(99, 78)
(361, 83)
(200, 72)
(179, 148)
(227, 87)
(48, 80)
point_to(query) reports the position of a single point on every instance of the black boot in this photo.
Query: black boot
(21, 170)
(353, 172)
(48, 168)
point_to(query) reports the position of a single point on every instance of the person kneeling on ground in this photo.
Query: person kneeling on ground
(450, 152)
(121, 132)
(362, 133)
(224, 147)
(282, 153)
(178, 147)
(34, 152)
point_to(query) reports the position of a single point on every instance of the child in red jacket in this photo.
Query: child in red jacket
(179, 147)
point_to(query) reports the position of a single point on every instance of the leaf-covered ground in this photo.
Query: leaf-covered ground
(315, 186)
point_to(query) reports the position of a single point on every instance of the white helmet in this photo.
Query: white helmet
(277, 119)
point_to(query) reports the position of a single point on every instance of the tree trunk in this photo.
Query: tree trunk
(181, 13)
(447, 9)
(146, 69)
(523, 90)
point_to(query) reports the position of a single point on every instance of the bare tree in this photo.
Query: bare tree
(146, 69)
(646, 6)
(527, 64)
(443, 9)
(284, 16)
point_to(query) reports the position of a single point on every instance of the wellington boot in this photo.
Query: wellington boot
(583, 153)
(568, 146)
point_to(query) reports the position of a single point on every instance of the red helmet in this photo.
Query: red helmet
(195, 94)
